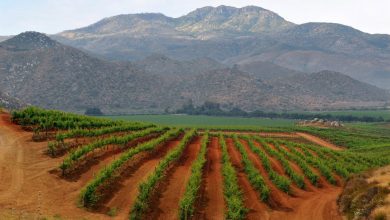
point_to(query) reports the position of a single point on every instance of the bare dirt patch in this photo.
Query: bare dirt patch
(319, 141)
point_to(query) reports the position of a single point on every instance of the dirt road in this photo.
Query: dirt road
(27, 188)
(319, 141)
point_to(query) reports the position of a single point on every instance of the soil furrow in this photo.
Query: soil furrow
(124, 197)
(278, 199)
(212, 201)
(173, 188)
(257, 209)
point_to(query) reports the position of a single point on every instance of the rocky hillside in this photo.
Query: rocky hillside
(167, 67)
(43, 72)
(267, 70)
(236, 36)
(57, 76)
(209, 21)
(10, 103)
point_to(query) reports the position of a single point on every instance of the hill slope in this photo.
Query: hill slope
(43, 72)
(239, 35)
(10, 103)
(58, 76)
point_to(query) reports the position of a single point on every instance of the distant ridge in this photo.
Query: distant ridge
(239, 35)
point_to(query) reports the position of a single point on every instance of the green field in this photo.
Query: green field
(197, 121)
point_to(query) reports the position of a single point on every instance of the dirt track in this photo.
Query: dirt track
(319, 141)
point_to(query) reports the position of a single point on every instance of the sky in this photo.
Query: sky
(53, 16)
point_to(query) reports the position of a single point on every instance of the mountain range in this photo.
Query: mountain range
(39, 70)
(239, 36)
(248, 57)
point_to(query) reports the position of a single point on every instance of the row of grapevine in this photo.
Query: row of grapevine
(78, 154)
(338, 166)
(235, 208)
(78, 132)
(147, 188)
(307, 171)
(314, 161)
(252, 172)
(89, 194)
(294, 176)
(186, 207)
(52, 119)
(352, 165)
(280, 181)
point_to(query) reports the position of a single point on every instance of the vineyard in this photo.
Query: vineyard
(130, 170)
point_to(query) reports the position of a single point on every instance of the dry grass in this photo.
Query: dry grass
(381, 177)
(366, 196)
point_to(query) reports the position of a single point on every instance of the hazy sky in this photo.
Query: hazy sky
(52, 16)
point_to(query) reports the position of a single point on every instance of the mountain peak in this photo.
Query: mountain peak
(225, 18)
(29, 41)
(225, 10)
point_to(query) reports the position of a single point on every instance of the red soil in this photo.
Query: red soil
(257, 209)
(104, 154)
(278, 168)
(27, 185)
(278, 199)
(297, 169)
(175, 185)
(319, 204)
(212, 198)
(125, 197)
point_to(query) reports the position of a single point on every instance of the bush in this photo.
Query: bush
(93, 111)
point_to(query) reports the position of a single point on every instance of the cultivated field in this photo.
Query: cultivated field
(200, 121)
(65, 166)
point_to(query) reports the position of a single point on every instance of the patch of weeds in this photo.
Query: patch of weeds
(57, 217)
(112, 212)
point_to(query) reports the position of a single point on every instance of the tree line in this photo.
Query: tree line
(214, 109)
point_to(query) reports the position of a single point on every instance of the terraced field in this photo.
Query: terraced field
(101, 169)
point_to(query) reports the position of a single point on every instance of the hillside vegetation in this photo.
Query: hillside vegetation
(73, 80)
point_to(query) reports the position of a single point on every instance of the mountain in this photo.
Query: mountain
(46, 73)
(167, 67)
(206, 32)
(331, 89)
(3, 38)
(267, 70)
(29, 41)
(225, 19)
(239, 35)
